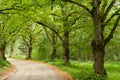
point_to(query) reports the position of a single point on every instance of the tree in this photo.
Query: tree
(7, 34)
(12, 47)
(101, 15)
(8, 15)
(67, 19)
(29, 43)
(29, 35)
(53, 41)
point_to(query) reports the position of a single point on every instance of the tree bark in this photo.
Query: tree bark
(12, 46)
(98, 47)
(66, 47)
(11, 53)
(98, 51)
(3, 48)
(30, 53)
(30, 47)
(53, 42)
(53, 55)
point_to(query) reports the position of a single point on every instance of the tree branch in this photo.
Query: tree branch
(108, 10)
(75, 20)
(81, 5)
(44, 25)
(55, 15)
(6, 9)
(14, 33)
(104, 6)
(112, 16)
(27, 44)
(73, 13)
(47, 35)
(110, 36)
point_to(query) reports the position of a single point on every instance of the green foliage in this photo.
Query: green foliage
(84, 71)
(43, 50)
(3, 63)
(20, 21)
(19, 56)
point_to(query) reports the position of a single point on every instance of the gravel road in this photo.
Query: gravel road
(26, 70)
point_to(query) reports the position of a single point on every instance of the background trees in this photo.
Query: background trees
(29, 35)
(8, 31)
(70, 27)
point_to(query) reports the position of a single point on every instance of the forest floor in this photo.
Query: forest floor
(29, 70)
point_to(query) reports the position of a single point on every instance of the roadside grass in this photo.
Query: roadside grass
(17, 56)
(113, 70)
(81, 70)
(3, 66)
(84, 70)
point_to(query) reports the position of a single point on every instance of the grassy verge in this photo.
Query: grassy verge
(84, 70)
(3, 66)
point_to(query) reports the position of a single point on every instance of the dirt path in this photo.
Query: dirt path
(26, 70)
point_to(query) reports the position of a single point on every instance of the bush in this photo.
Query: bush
(96, 77)
(4, 63)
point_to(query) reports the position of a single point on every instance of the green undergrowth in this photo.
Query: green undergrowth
(19, 56)
(84, 70)
(3, 65)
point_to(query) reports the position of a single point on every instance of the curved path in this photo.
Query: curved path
(26, 70)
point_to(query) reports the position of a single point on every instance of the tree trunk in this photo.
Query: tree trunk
(98, 46)
(11, 53)
(54, 50)
(30, 47)
(3, 48)
(66, 47)
(30, 53)
(53, 55)
(12, 50)
(98, 55)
